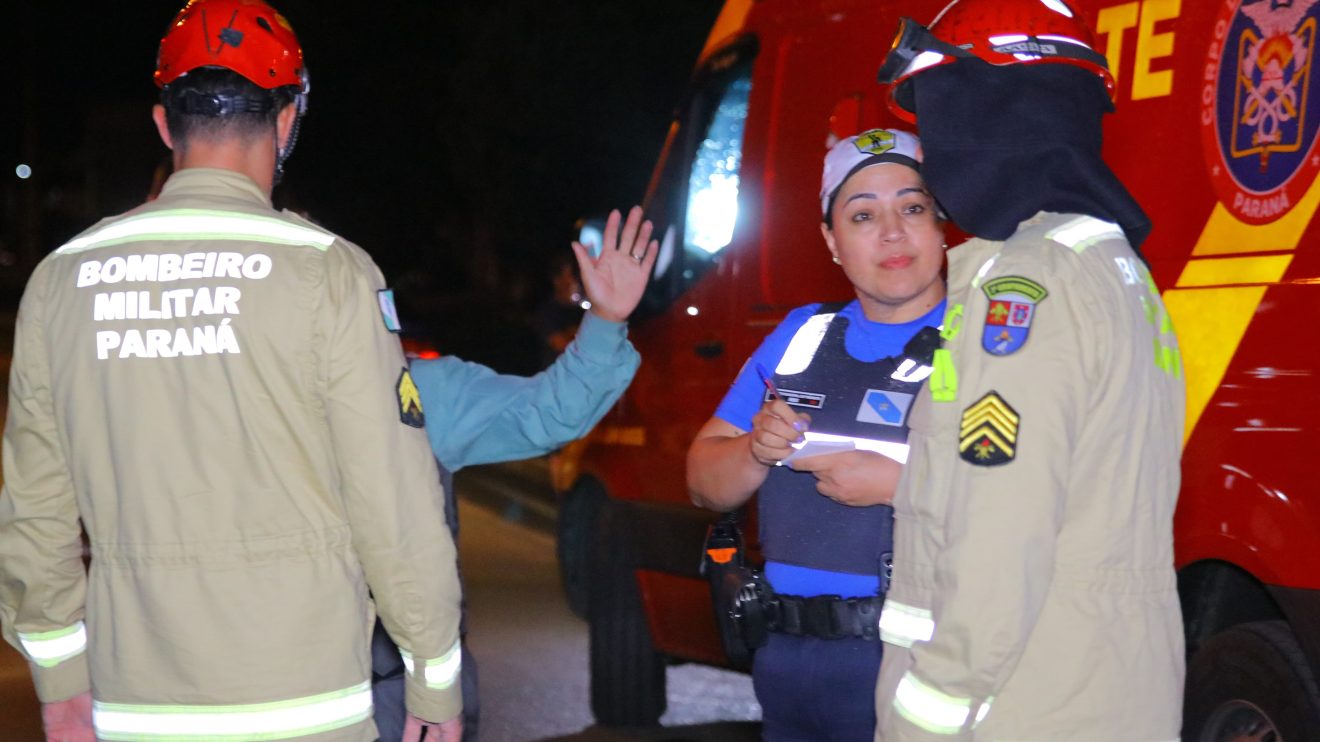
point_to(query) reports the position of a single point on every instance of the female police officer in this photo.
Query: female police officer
(843, 378)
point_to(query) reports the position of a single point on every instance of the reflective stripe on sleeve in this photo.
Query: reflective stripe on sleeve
(903, 625)
(200, 224)
(50, 648)
(930, 709)
(437, 673)
(1083, 232)
(258, 721)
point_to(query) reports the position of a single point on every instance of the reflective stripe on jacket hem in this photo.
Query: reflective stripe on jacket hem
(437, 673)
(903, 625)
(50, 648)
(199, 224)
(932, 710)
(257, 721)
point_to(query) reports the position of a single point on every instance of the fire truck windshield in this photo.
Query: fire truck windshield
(694, 196)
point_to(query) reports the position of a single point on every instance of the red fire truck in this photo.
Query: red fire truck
(1215, 134)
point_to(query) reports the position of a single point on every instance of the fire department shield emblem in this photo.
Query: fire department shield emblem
(1260, 111)
(1008, 318)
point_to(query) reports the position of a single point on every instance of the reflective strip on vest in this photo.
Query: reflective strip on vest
(932, 710)
(258, 721)
(802, 348)
(903, 625)
(438, 673)
(1081, 233)
(50, 648)
(200, 224)
(896, 451)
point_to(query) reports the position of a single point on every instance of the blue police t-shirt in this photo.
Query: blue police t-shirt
(865, 341)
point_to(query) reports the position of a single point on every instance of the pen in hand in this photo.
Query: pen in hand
(765, 377)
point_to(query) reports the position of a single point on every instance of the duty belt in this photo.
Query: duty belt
(825, 616)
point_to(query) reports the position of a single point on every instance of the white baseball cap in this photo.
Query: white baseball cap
(869, 148)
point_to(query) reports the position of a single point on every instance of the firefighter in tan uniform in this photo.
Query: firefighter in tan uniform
(1033, 596)
(212, 388)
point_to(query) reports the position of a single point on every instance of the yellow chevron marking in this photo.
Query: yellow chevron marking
(1212, 321)
(1225, 234)
(992, 402)
(1228, 271)
(993, 418)
(988, 432)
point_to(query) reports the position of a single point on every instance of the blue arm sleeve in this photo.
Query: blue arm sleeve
(747, 393)
(476, 416)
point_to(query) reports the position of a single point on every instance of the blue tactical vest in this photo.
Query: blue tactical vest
(866, 402)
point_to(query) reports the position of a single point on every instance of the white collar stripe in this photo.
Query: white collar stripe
(50, 648)
(260, 721)
(198, 224)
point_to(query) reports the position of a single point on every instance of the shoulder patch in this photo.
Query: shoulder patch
(410, 401)
(1008, 318)
(388, 313)
(988, 435)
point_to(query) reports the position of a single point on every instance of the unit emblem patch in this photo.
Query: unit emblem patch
(410, 401)
(1260, 106)
(390, 315)
(884, 407)
(875, 142)
(988, 436)
(1013, 301)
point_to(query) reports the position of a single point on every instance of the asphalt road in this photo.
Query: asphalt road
(531, 650)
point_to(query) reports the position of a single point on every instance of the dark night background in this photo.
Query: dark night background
(456, 141)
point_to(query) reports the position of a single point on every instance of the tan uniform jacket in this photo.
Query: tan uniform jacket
(211, 386)
(1033, 583)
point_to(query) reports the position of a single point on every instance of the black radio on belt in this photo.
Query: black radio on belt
(739, 593)
(747, 609)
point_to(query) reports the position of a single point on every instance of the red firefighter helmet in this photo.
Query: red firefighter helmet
(246, 36)
(1000, 32)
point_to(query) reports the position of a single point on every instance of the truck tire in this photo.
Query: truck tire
(1251, 681)
(578, 514)
(627, 674)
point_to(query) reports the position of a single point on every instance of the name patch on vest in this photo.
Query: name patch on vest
(884, 407)
(810, 400)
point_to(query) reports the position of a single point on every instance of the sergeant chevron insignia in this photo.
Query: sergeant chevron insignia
(988, 436)
(410, 401)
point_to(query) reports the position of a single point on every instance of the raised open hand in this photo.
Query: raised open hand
(614, 281)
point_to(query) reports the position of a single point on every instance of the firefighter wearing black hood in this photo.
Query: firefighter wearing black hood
(1033, 592)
